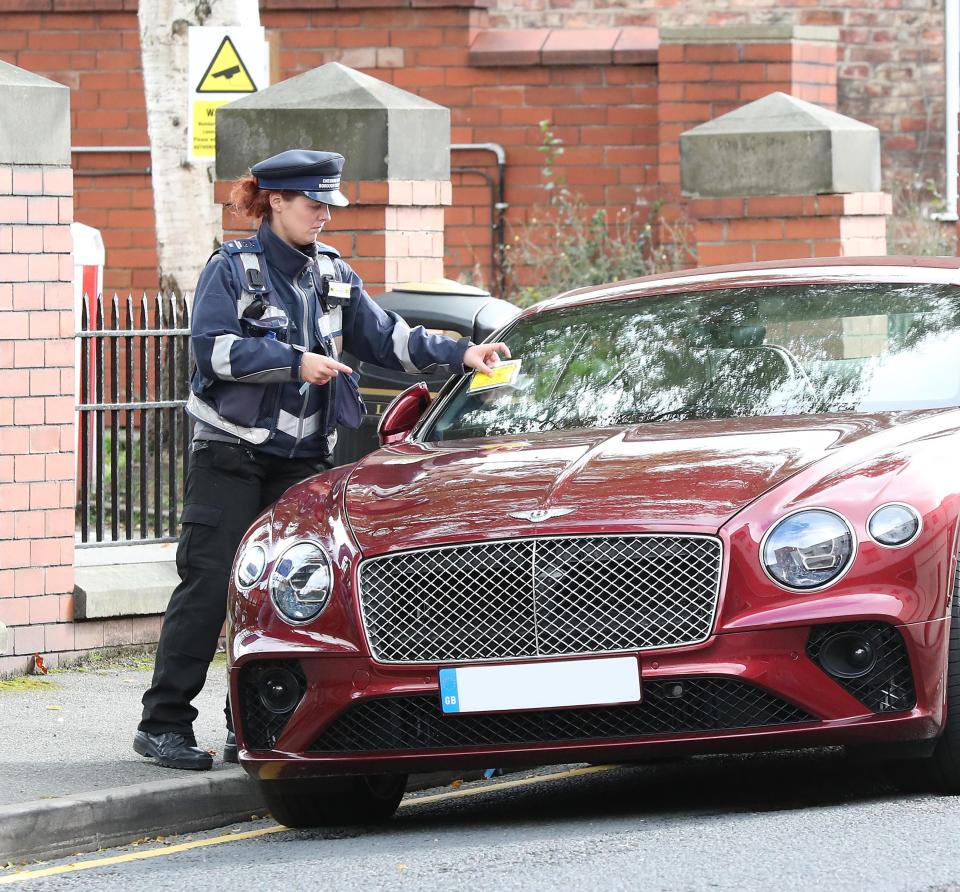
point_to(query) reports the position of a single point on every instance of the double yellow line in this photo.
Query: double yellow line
(24, 875)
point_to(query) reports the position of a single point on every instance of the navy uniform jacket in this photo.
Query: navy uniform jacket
(247, 387)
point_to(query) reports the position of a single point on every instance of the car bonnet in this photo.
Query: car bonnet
(679, 476)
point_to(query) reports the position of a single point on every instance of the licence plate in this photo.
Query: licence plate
(603, 681)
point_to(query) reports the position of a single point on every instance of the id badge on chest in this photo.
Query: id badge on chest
(338, 293)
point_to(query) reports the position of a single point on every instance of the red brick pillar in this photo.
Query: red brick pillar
(37, 464)
(775, 227)
(779, 178)
(392, 231)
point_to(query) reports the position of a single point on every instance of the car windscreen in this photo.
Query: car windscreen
(774, 350)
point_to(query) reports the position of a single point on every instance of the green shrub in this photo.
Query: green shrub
(912, 228)
(569, 245)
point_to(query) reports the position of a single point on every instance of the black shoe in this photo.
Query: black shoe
(172, 750)
(230, 748)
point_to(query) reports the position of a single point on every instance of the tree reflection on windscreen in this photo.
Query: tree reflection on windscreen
(783, 350)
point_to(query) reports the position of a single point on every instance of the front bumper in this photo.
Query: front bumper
(738, 692)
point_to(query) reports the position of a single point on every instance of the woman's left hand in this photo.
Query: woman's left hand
(483, 357)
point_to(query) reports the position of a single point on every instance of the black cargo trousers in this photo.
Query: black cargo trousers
(227, 486)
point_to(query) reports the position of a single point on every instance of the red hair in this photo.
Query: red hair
(249, 200)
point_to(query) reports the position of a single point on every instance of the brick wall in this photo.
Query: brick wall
(890, 70)
(605, 110)
(97, 55)
(779, 227)
(601, 90)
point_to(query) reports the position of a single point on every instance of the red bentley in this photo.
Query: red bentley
(709, 511)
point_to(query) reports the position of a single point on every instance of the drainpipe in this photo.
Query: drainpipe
(952, 58)
(498, 206)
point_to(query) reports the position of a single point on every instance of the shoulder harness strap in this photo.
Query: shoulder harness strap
(254, 277)
(245, 254)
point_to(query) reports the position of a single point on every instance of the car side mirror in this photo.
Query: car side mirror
(402, 415)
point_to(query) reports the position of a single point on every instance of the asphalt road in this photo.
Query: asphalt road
(785, 821)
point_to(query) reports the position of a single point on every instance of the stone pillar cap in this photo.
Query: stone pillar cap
(383, 132)
(780, 145)
(47, 139)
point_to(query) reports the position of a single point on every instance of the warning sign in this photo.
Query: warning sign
(204, 140)
(226, 73)
(226, 63)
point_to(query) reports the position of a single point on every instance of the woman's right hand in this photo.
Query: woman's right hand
(315, 368)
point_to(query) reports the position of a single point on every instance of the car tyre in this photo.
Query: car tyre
(936, 767)
(944, 764)
(928, 766)
(334, 801)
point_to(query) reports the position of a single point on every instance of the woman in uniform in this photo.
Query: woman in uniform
(270, 317)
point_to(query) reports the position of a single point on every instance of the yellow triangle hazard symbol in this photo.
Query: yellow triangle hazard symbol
(226, 73)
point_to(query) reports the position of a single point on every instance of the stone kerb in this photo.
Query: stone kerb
(396, 175)
(782, 178)
(37, 465)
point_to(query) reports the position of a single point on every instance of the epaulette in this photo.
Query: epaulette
(242, 246)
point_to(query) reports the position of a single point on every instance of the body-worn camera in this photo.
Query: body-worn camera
(333, 293)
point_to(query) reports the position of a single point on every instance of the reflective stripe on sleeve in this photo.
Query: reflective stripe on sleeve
(278, 375)
(401, 345)
(220, 357)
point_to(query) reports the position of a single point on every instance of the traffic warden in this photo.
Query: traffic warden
(271, 315)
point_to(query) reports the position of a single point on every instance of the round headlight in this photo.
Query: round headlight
(250, 565)
(301, 581)
(894, 525)
(808, 550)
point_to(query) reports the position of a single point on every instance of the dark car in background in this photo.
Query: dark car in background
(442, 306)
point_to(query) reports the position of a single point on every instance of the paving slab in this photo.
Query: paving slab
(70, 781)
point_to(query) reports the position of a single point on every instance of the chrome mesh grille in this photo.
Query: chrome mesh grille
(540, 597)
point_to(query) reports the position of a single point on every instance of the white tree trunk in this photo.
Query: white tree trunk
(188, 221)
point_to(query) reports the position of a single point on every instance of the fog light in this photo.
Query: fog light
(847, 655)
(279, 690)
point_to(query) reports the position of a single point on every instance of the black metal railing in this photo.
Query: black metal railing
(132, 436)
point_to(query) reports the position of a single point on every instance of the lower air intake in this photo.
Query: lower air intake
(262, 727)
(888, 686)
(669, 707)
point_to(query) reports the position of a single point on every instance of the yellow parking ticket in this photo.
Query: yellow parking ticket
(504, 374)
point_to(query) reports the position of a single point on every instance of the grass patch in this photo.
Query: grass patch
(24, 683)
(133, 658)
